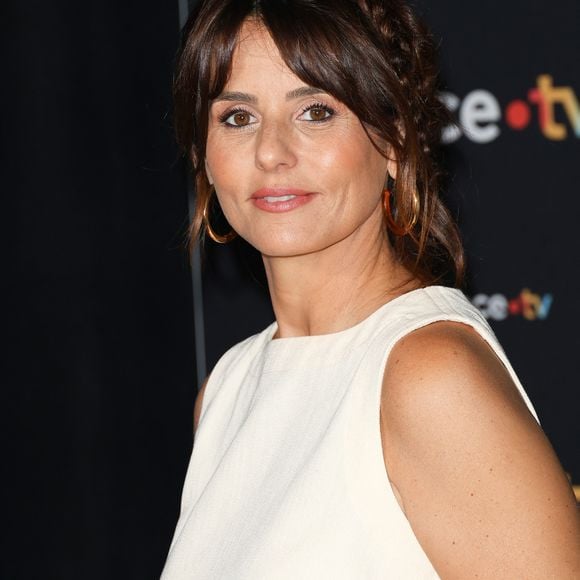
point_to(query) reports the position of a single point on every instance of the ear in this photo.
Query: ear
(392, 168)
(208, 173)
(392, 164)
(390, 173)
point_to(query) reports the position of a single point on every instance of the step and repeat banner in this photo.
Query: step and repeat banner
(511, 78)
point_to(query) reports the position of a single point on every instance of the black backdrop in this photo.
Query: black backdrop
(99, 373)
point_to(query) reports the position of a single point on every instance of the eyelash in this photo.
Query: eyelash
(322, 106)
(225, 116)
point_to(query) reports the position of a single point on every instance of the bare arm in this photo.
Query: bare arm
(477, 478)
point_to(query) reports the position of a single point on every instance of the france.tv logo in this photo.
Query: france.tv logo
(479, 113)
(526, 304)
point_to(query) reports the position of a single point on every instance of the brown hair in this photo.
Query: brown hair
(377, 58)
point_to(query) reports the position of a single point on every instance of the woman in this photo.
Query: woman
(376, 429)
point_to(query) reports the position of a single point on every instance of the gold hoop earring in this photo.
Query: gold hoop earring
(397, 229)
(219, 239)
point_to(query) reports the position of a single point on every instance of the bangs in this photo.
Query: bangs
(331, 49)
(335, 51)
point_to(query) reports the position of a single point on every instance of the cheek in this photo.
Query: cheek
(353, 166)
(217, 161)
(341, 151)
(224, 164)
(224, 148)
(229, 174)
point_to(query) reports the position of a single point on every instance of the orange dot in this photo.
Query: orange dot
(517, 115)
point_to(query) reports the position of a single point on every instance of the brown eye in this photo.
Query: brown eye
(317, 113)
(237, 119)
(241, 119)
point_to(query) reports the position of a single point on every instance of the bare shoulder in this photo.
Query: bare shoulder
(198, 404)
(456, 362)
(476, 476)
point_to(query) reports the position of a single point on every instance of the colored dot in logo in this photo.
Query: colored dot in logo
(518, 115)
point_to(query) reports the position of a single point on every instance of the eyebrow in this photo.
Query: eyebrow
(298, 93)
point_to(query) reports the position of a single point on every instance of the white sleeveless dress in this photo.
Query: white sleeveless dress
(286, 480)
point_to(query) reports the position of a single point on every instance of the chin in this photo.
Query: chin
(273, 250)
(280, 246)
(285, 245)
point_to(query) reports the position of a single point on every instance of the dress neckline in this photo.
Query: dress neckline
(274, 343)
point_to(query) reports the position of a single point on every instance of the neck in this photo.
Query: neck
(335, 288)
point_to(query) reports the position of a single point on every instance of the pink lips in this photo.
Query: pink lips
(280, 199)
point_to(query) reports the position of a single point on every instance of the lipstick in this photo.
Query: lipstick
(280, 199)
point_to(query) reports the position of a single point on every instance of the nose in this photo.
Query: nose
(274, 148)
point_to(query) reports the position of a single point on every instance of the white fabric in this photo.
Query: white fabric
(286, 479)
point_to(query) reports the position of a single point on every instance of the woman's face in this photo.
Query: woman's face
(293, 169)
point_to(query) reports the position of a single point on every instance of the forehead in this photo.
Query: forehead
(256, 59)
